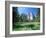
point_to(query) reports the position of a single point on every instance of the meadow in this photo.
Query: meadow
(23, 26)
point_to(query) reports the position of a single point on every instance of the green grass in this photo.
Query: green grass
(21, 26)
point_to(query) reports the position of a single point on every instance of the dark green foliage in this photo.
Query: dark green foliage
(19, 26)
(15, 15)
(32, 25)
(23, 17)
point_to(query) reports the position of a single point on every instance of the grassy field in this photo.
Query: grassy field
(22, 26)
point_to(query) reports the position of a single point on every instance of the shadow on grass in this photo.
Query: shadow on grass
(33, 27)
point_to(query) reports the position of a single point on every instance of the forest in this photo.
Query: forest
(23, 21)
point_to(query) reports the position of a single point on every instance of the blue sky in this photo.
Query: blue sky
(26, 10)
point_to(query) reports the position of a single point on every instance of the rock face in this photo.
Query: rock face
(30, 16)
